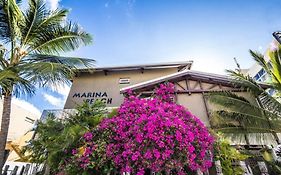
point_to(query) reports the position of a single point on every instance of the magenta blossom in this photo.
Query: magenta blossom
(88, 136)
(157, 134)
(74, 151)
(154, 133)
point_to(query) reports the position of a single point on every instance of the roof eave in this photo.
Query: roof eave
(191, 75)
(179, 65)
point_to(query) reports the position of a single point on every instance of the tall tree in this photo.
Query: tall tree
(31, 41)
(240, 116)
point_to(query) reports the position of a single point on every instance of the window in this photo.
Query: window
(261, 75)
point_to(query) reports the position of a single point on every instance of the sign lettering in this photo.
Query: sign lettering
(91, 97)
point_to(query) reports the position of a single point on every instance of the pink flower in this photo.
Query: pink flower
(191, 149)
(88, 136)
(153, 133)
(148, 155)
(87, 151)
(74, 151)
(141, 171)
(156, 153)
(178, 136)
(135, 156)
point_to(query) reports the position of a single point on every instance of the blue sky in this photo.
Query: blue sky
(209, 32)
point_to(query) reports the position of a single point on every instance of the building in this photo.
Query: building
(21, 120)
(104, 83)
(108, 83)
(191, 87)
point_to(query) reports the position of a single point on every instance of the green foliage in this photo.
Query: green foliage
(113, 112)
(227, 155)
(32, 41)
(273, 68)
(99, 162)
(56, 138)
(274, 166)
(259, 112)
(48, 131)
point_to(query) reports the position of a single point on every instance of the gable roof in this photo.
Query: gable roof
(186, 74)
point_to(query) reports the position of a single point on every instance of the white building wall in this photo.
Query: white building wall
(18, 124)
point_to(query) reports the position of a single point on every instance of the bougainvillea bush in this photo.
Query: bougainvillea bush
(155, 134)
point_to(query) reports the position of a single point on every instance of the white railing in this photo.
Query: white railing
(21, 168)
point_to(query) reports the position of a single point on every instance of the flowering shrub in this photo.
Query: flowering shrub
(156, 134)
(90, 157)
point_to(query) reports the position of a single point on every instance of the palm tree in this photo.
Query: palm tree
(239, 116)
(31, 43)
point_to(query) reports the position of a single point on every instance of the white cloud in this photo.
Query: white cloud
(55, 101)
(62, 90)
(58, 100)
(53, 4)
(27, 106)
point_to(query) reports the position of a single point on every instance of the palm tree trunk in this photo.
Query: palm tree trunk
(4, 128)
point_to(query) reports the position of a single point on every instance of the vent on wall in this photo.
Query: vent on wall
(124, 81)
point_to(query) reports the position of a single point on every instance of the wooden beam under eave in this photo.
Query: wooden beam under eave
(180, 86)
(187, 85)
(205, 101)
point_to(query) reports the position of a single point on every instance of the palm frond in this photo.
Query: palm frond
(245, 82)
(48, 74)
(23, 87)
(211, 96)
(276, 67)
(72, 62)
(54, 18)
(261, 115)
(259, 58)
(60, 39)
(237, 119)
(6, 75)
(3, 62)
(11, 17)
(4, 27)
(35, 13)
(234, 102)
(270, 103)
(10, 80)
(240, 116)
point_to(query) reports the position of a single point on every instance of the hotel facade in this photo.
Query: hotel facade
(109, 83)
